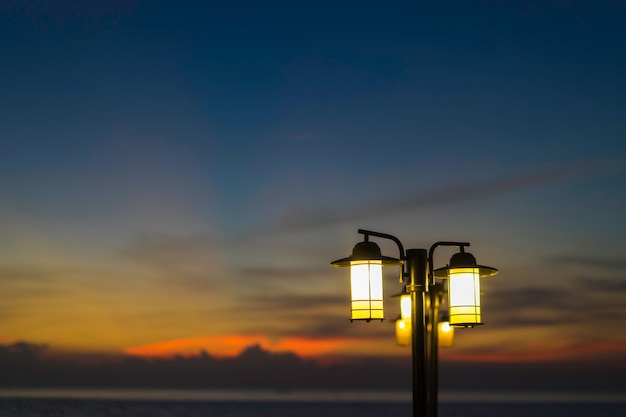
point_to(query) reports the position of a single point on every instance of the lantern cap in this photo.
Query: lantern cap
(465, 260)
(366, 251)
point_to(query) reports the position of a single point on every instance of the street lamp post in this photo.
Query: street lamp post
(418, 273)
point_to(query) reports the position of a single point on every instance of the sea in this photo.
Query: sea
(287, 403)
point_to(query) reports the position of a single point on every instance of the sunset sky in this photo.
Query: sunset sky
(177, 176)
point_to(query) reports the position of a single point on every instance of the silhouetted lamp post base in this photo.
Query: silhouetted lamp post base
(416, 270)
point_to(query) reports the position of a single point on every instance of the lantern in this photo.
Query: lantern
(405, 306)
(445, 336)
(403, 323)
(464, 288)
(366, 280)
(403, 332)
(366, 290)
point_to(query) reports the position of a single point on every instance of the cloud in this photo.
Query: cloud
(613, 287)
(592, 367)
(254, 366)
(36, 274)
(188, 261)
(590, 302)
(535, 297)
(596, 263)
(275, 273)
(440, 196)
(42, 281)
(231, 345)
(539, 353)
(292, 302)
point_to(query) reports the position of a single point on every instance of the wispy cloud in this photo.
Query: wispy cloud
(602, 263)
(441, 196)
(585, 301)
(275, 273)
(190, 261)
(293, 302)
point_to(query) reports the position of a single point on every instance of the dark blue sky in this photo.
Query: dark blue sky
(188, 151)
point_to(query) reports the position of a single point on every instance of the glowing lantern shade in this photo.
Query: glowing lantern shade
(445, 336)
(366, 280)
(464, 293)
(403, 332)
(464, 288)
(366, 289)
(405, 306)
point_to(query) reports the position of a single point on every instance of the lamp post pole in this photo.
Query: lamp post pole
(435, 293)
(366, 264)
(416, 260)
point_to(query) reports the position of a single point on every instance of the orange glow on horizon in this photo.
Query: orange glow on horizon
(232, 345)
(312, 347)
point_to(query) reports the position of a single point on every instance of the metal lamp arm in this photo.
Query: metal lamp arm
(368, 233)
(431, 273)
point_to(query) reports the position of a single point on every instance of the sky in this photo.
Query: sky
(177, 176)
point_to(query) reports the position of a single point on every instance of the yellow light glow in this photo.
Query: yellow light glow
(403, 332)
(405, 306)
(445, 337)
(464, 296)
(366, 285)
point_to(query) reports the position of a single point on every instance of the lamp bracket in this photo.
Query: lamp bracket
(367, 233)
(431, 275)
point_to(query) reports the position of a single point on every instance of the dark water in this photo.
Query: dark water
(131, 408)
(77, 403)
